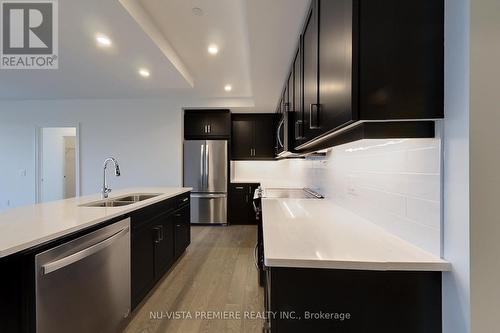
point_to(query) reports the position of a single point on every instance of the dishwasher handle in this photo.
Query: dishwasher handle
(87, 252)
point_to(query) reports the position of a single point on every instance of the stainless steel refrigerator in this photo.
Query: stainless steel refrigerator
(206, 171)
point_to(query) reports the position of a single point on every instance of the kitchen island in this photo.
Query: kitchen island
(143, 232)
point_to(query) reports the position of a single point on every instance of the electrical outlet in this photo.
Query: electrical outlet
(22, 173)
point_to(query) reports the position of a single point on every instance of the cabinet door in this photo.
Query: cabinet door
(242, 138)
(143, 263)
(195, 124)
(238, 203)
(335, 63)
(298, 110)
(251, 210)
(264, 127)
(164, 244)
(401, 70)
(312, 120)
(219, 124)
(182, 231)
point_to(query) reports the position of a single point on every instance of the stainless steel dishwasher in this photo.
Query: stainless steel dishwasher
(83, 286)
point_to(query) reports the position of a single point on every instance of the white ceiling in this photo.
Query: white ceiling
(86, 71)
(256, 40)
(222, 23)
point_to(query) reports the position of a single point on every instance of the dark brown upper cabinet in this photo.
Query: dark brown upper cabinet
(363, 60)
(401, 59)
(310, 71)
(207, 124)
(252, 136)
(297, 107)
(334, 107)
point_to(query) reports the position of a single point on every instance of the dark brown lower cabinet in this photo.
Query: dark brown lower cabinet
(182, 230)
(241, 209)
(160, 234)
(352, 301)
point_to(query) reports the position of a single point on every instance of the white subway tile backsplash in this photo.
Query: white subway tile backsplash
(395, 184)
(386, 201)
(283, 173)
(424, 211)
(424, 160)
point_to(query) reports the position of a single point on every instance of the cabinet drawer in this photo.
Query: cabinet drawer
(182, 200)
(142, 216)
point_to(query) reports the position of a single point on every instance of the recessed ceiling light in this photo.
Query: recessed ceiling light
(213, 49)
(197, 11)
(103, 40)
(228, 87)
(144, 72)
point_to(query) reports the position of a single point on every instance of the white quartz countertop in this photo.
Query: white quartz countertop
(320, 234)
(25, 227)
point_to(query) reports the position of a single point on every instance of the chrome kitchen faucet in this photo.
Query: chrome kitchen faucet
(105, 189)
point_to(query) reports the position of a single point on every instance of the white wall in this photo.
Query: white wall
(456, 284)
(53, 162)
(485, 165)
(144, 135)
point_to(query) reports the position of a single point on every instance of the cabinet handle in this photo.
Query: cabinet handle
(239, 187)
(71, 259)
(298, 130)
(178, 225)
(316, 108)
(256, 256)
(185, 199)
(158, 237)
(281, 145)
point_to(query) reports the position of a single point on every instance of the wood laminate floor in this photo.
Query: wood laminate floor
(216, 274)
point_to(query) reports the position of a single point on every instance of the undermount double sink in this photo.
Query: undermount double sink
(121, 201)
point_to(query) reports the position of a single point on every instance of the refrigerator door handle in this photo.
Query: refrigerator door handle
(202, 165)
(207, 166)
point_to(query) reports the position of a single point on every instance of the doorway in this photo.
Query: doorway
(57, 163)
